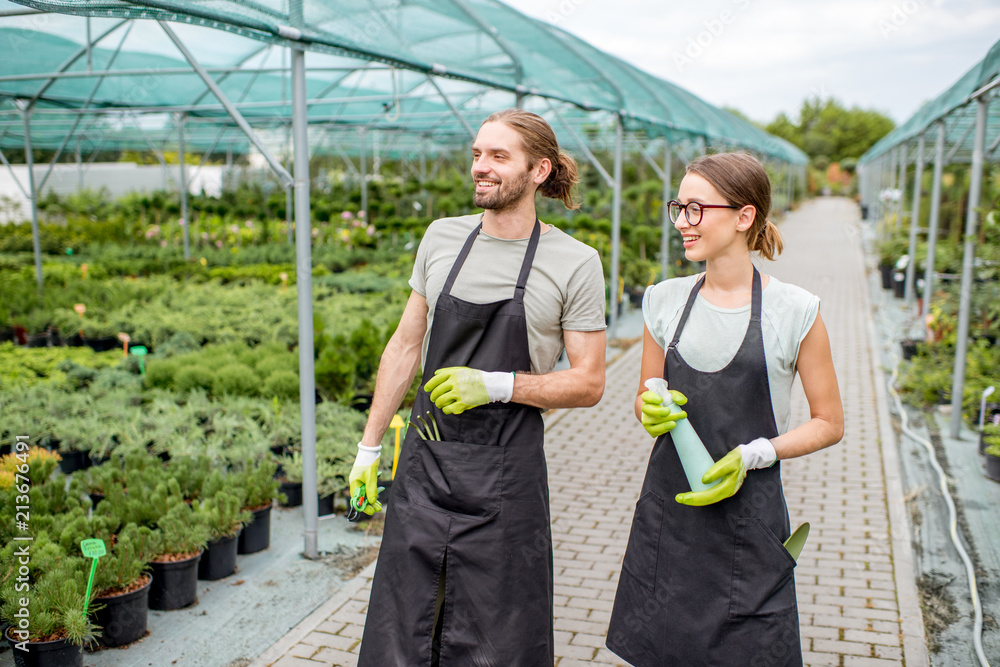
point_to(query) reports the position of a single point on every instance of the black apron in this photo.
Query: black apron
(473, 507)
(711, 585)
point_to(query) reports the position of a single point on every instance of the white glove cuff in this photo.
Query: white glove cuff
(499, 386)
(367, 455)
(758, 454)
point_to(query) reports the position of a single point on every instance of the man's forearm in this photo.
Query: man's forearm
(396, 370)
(572, 388)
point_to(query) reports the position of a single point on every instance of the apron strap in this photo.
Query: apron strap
(522, 278)
(755, 308)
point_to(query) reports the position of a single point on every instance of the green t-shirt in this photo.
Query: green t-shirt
(565, 289)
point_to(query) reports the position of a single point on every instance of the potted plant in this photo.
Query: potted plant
(48, 627)
(993, 457)
(990, 433)
(260, 488)
(121, 584)
(291, 479)
(178, 542)
(223, 516)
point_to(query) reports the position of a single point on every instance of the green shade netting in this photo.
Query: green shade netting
(371, 60)
(956, 109)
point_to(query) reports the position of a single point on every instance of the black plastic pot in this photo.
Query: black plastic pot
(909, 348)
(57, 653)
(102, 344)
(899, 285)
(886, 271)
(73, 460)
(293, 493)
(256, 535)
(993, 467)
(219, 559)
(76, 340)
(324, 505)
(175, 584)
(122, 618)
(39, 340)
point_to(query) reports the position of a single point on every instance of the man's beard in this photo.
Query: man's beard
(503, 195)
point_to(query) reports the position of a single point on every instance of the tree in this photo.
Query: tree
(827, 129)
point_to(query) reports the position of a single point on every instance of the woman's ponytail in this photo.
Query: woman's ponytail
(768, 241)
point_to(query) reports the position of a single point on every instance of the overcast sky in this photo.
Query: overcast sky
(766, 56)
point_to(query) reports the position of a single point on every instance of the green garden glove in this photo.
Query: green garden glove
(732, 470)
(365, 471)
(457, 388)
(657, 418)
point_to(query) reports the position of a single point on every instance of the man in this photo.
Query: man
(464, 575)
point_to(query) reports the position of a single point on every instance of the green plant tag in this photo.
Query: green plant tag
(93, 548)
(140, 351)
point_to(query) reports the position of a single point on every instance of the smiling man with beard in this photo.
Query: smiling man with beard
(464, 574)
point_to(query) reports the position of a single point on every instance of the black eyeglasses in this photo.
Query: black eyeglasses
(692, 210)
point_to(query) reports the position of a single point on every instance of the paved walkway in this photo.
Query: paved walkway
(857, 597)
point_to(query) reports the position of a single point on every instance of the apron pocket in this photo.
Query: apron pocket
(643, 548)
(457, 477)
(763, 581)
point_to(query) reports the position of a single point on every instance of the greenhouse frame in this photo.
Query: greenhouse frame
(959, 126)
(413, 78)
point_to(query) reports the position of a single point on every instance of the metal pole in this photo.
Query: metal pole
(932, 232)
(184, 185)
(911, 268)
(968, 258)
(363, 135)
(667, 225)
(29, 158)
(79, 166)
(901, 181)
(290, 213)
(616, 226)
(230, 108)
(303, 276)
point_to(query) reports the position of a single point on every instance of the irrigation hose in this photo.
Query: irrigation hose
(977, 630)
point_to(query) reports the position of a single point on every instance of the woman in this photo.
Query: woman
(706, 579)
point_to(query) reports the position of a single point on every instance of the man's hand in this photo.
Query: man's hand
(365, 471)
(457, 388)
(656, 418)
(732, 470)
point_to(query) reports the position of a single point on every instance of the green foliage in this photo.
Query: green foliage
(179, 531)
(235, 379)
(127, 550)
(256, 479)
(827, 129)
(222, 514)
(24, 366)
(282, 384)
(57, 595)
(925, 380)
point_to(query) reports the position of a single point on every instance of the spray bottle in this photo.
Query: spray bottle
(695, 459)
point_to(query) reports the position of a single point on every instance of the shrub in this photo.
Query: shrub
(235, 379)
(193, 377)
(281, 384)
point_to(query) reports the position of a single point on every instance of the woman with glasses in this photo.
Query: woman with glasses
(707, 578)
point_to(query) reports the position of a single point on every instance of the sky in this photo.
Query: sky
(764, 57)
